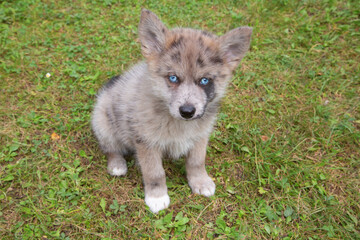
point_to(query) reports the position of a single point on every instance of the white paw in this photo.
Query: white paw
(204, 187)
(116, 171)
(157, 203)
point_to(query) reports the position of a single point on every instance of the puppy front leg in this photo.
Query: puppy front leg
(198, 179)
(153, 174)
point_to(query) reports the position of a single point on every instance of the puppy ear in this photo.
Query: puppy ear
(234, 45)
(152, 33)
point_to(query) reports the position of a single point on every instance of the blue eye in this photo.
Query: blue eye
(204, 81)
(173, 79)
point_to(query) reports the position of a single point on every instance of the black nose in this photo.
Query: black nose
(187, 111)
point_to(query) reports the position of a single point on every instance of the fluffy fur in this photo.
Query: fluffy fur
(142, 111)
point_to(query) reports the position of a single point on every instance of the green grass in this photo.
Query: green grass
(285, 153)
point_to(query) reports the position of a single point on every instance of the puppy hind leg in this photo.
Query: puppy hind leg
(116, 164)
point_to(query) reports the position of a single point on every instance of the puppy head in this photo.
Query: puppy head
(189, 68)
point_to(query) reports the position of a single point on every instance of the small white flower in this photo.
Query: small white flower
(48, 75)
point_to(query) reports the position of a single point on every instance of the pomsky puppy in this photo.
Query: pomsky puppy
(167, 104)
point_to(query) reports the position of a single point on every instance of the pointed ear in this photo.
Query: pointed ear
(234, 45)
(152, 33)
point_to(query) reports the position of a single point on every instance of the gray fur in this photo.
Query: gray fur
(139, 111)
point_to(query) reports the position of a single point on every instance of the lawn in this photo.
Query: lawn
(284, 154)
